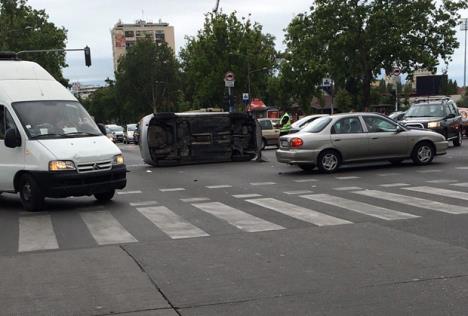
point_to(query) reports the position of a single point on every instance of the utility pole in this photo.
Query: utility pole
(464, 27)
(215, 10)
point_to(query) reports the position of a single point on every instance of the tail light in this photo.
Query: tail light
(296, 142)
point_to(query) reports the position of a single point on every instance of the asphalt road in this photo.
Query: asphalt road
(246, 239)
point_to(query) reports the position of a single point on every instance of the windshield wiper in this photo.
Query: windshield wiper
(82, 134)
(49, 135)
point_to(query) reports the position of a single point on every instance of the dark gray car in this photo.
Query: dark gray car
(355, 137)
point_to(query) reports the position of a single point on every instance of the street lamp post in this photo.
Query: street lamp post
(464, 27)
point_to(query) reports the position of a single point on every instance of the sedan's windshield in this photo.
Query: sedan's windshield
(427, 110)
(318, 125)
(116, 128)
(131, 127)
(55, 119)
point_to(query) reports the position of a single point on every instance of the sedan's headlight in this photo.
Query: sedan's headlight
(61, 165)
(433, 124)
(118, 160)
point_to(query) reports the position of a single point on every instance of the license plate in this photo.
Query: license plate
(284, 143)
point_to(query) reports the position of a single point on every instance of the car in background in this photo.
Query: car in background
(270, 132)
(397, 116)
(115, 133)
(464, 114)
(356, 137)
(439, 114)
(129, 134)
(303, 122)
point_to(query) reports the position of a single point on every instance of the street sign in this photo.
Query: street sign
(396, 72)
(229, 84)
(326, 82)
(229, 79)
(245, 96)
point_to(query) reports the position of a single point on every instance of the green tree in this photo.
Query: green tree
(226, 43)
(147, 80)
(343, 101)
(24, 28)
(352, 40)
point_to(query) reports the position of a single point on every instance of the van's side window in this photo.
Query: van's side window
(6, 121)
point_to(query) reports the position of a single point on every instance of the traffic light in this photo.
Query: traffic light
(87, 56)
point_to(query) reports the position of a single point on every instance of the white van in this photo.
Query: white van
(49, 144)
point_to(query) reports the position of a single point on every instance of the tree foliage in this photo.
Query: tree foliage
(24, 28)
(147, 80)
(226, 43)
(353, 40)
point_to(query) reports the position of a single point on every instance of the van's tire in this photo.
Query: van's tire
(329, 161)
(105, 196)
(307, 167)
(423, 153)
(458, 141)
(30, 194)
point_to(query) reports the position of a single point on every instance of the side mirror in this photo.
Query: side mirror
(102, 128)
(451, 115)
(399, 129)
(12, 138)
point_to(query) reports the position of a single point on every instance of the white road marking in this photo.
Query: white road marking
(144, 203)
(429, 171)
(298, 192)
(462, 168)
(348, 188)
(238, 218)
(391, 185)
(390, 174)
(221, 186)
(461, 184)
(262, 183)
(443, 192)
(360, 207)
(196, 199)
(246, 196)
(347, 178)
(414, 201)
(305, 180)
(36, 233)
(172, 189)
(299, 212)
(128, 192)
(105, 229)
(442, 181)
(170, 223)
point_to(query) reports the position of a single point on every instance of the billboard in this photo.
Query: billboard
(430, 85)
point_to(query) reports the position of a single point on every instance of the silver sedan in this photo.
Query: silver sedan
(356, 137)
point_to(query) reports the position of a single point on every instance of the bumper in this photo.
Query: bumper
(295, 157)
(441, 147)
(63, 184)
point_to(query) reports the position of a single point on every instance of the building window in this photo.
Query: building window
(129, 44)
(129, 34)
(160, 36)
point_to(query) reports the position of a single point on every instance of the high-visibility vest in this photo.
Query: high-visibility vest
(285, 127)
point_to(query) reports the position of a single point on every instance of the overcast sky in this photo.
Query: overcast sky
(89, 23)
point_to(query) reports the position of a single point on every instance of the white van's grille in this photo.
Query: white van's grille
(94, 166)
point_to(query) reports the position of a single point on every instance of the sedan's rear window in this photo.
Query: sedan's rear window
(318, 125)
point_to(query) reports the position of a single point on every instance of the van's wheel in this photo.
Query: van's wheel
(105, 196)
(30, 194)
(458, 141)
(329, 161)
(423, 153)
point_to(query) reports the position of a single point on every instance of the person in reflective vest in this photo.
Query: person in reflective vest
(285, 123)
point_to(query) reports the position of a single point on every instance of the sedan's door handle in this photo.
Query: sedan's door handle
(337, 140)
(375, 138)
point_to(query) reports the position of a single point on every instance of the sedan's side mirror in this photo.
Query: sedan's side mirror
(399, 129)
(102, 128)
(12, 138)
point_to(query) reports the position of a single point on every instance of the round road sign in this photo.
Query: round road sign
(229, 76)
(396, 72)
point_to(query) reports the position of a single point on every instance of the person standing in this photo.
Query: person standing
(258, 134)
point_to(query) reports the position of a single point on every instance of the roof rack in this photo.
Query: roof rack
(8, 56)
(431, 98)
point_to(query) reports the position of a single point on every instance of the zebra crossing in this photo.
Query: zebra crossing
(37, 232)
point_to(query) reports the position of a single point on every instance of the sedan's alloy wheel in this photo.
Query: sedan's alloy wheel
(424, 154)
(329, 162)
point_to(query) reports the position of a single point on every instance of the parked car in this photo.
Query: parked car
(115, 133)
(464, 114)
(355, 137)
(50, 146)
(129, 133)
(270, 132)
(439, 114)
(303, 122)
(397, 116)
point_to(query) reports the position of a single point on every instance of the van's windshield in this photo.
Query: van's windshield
(55, 119)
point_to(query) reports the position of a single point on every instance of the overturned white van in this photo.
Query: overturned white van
(185, 138)
(49, 144)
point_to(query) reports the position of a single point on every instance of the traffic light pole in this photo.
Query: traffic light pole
(86, 50)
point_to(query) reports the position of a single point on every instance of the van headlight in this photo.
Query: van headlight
(118, 160)
(61, 165)
(433, 124)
